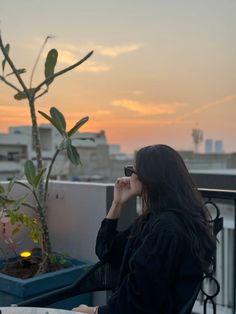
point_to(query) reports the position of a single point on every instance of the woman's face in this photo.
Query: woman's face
(135, 185)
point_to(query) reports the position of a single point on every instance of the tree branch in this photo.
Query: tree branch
(40, 95)
(13, 68)
(62, 72)
(9, 84)
(30, 206)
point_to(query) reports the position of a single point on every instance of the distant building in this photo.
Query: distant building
(210, 161)
(16, 147)
(214, 146)
(114, 149)
(208, 146)
(100, 161)
(219, 147)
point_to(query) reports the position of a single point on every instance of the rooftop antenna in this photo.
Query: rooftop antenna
(197, 135)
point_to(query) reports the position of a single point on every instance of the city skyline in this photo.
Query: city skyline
(159, 69)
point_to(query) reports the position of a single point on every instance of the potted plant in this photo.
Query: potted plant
(43, 260)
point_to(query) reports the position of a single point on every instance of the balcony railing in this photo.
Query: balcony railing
(225, 274)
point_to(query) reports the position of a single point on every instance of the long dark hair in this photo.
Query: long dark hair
(167, 185)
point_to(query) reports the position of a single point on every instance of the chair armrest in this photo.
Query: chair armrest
(101, 277)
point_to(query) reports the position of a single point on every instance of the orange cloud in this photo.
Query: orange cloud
(146, 109)
(69, 58)
(115, 51)
(103, 50)
(92, 66)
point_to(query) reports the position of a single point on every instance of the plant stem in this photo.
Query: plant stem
(35, 135)
(37, 146)
(48, 176)
(47, 247)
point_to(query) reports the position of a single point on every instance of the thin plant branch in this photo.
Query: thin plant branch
(40, 95)
(2, 78)
(29, 206)
(14, 69)
(24, 185)
(62, 72)
(48, 176)
(37, 59)
(37, 200)
(42, 266)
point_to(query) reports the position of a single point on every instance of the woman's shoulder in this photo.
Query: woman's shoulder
(163, 234)
(168, 221)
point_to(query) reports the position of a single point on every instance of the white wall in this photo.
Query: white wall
(74, 216)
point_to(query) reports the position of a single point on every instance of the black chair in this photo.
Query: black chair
(103, 277)
(217, 227)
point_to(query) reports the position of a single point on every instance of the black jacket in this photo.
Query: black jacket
(158, 272)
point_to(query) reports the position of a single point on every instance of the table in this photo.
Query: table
(34, 310)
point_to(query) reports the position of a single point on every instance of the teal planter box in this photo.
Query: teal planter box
(14, 290)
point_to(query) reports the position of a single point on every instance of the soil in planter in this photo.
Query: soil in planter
(27, 268)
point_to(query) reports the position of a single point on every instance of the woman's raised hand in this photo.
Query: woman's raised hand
(122, 190)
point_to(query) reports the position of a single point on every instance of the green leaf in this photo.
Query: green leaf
(77, 126)
(50, 64)
(58, 116)
(18, 203)
(52, 258)
(10, 185)
(65, 143)
(73, 155)
(1, 189)
(13, 218)
(38, 177)
(16, 230)
(22, 95)
(30, 172)
(7, 49)
(53, 122)
(34, 235)
(19, 71)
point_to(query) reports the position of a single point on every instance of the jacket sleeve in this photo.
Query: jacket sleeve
(110, 243)
(147, 287)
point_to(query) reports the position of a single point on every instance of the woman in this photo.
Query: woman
(163, 255)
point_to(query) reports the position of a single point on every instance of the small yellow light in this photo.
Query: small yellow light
(25, 254)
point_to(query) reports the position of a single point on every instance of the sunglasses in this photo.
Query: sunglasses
(129, 170)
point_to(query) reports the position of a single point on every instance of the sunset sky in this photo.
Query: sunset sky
(159, 68)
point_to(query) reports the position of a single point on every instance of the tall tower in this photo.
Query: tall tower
(197, 135)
